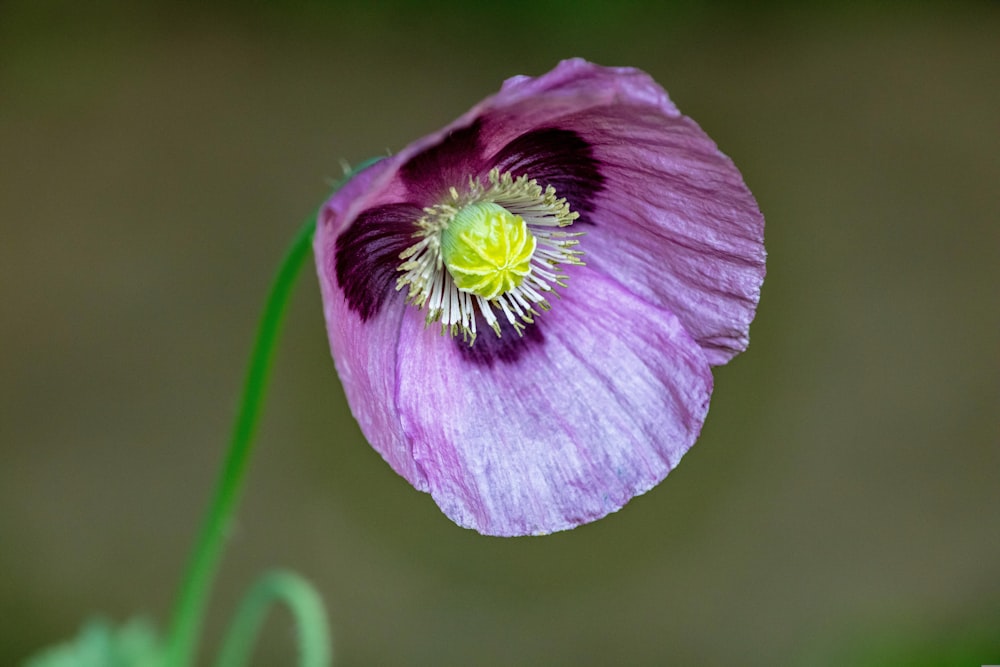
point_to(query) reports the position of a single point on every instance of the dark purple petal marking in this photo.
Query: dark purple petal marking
(430, 173)
(367, 255)
(556, 157)
(489, 349)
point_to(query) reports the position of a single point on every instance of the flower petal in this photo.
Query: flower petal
(677, 226)
(672, 220)
(363, 335)
(443, 164)
(556, 157)
(596, 408)
(367, 255)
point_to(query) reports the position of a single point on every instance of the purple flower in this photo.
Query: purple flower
(583, 254)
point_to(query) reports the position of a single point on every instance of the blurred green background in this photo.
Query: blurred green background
(841, 506)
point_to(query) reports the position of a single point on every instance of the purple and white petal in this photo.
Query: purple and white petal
(597, 406)
(672, 218)
(364, 336)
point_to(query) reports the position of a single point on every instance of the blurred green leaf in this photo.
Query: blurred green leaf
(100, 644)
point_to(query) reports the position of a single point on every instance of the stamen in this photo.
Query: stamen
(495, 247)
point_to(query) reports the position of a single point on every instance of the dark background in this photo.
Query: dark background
(841, 504)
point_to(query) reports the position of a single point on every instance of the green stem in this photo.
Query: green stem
(306, 607)
(190, 606)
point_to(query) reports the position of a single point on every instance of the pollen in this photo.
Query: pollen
(487, 249)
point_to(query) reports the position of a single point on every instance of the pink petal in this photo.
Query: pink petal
(673, 220)
(595, 410)
(364, 349)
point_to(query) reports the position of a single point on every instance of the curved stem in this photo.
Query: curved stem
(306, 607)
(190, 605)
(189, 608)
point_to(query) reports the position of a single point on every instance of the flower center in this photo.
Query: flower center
(487, 250)
(493, 250)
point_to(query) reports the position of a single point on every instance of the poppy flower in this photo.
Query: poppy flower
(524, 307)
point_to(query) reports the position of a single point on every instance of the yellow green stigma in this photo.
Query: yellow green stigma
(487, 249)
